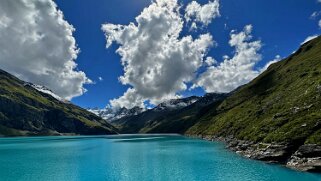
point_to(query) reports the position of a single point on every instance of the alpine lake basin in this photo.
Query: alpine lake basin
(132, 157)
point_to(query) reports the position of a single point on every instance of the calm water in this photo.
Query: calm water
(131, 157)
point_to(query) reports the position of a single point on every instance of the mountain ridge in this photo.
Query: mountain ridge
(110, 114)
(277, 116)
(167, 114)
(24, 110)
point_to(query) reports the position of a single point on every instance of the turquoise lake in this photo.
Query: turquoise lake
(132, 157)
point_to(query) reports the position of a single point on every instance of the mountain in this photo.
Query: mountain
(175, 104)
(281, 105)
(277, 116)
(173, 116)
(29, 109)
(46, 91)
(110, 114)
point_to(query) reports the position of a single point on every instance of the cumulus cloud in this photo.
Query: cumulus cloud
(157, 61)
(201, 14)
(100, 79)
(210, 61)
(130, 99)
(276, 59)
(315, 14)
(37, 45)
(235, 71)
(309, 38)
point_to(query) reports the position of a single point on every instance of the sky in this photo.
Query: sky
(142, 52)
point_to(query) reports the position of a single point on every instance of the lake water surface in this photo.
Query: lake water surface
(132, 157)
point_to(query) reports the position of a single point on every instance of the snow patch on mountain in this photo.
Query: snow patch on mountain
(45, 90)
(176, 103)
(110, 114)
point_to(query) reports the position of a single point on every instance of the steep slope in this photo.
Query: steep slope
(25, 110)
(282, 104)
(173, 116)
(280, 107)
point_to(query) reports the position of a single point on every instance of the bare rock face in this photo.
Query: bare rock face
(273, 153)
(306, 158)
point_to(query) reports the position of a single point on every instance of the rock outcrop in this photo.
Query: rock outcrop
(304, 158)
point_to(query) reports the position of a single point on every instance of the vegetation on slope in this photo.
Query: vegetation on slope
(26, 111)
(282, 105)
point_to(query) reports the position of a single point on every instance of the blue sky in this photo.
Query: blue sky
(280, 25)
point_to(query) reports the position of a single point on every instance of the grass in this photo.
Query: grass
(283, 104)
(24, 108)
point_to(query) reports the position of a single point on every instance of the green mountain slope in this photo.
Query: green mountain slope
(275, 118)
(282, 105)
(27, 111)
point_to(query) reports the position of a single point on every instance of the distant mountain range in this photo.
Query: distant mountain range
(173, 116)
(110, 114)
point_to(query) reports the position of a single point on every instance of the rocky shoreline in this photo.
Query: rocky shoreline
(302, 158)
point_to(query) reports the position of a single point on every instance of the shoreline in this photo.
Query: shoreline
(305, 158)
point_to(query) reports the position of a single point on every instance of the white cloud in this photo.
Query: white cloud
(203, 14)
(130, 99)
(309, 38)
(225, 57)
(235, 71)
(100, 79)
(210, 61)
(37, 45)
(157, 61)
(314, 14)
(276, 59)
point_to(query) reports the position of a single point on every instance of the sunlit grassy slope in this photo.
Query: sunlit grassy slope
(283, 104)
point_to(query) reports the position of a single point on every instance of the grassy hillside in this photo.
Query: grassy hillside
(26, 111)
(283, 104)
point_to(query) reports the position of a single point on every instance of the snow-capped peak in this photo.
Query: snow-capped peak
(45, 90)
(176, 103)
(110, 114)
(106, 113)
